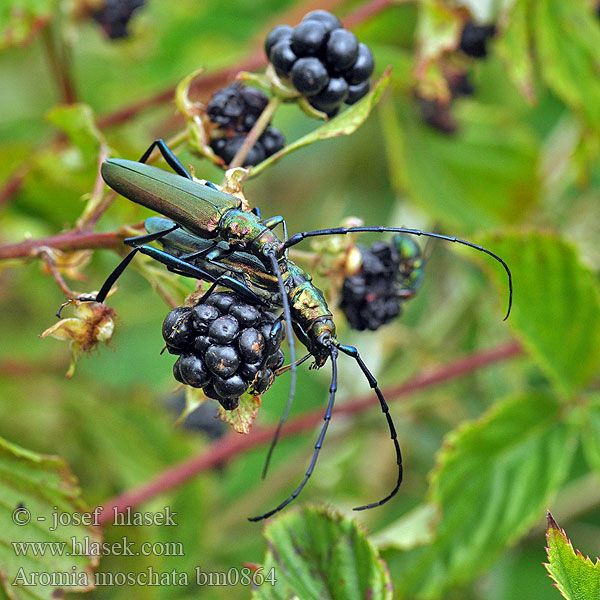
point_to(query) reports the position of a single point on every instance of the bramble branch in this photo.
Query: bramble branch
(67, 240)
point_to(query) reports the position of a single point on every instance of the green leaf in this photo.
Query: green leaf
(318, 554)
(346, 123)
(556, 306)
(576, 578)
(492, 481)
(567, 41)
(21, 22)
(36, 487)
(77, 121)
(513, 45)
(589, 423)
(484, 175)
(413, 529)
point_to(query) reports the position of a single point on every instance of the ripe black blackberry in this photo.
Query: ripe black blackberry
(323, 61)
(225, 346)
(474, 39)
(234, 110)
(115, 15)
(390, 273)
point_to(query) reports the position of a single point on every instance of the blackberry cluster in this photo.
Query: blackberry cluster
(225, 346)
(323, 61)
(474, 39)
(235, 110)
(114, 16)
(389, 274)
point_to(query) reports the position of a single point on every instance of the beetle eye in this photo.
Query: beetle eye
(324, 339)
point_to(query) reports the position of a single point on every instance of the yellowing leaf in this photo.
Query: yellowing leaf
(77, 121)
(242, 417)
(438, 32)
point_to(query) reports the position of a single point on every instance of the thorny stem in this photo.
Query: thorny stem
(67, 240)
(257, 130)
(234, 444)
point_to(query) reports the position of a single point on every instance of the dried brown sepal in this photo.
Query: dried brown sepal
(93, 323)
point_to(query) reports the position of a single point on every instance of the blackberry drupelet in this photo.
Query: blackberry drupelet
(225, 346)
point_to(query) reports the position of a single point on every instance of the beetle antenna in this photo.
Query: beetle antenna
(318, 445)
(298, 237)
(293, 366)
(286, 368)
(353, 352)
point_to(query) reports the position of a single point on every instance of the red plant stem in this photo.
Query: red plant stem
(13, 184)
(68, 240)
(233, 444)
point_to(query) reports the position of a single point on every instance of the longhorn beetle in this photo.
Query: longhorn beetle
(210, 237)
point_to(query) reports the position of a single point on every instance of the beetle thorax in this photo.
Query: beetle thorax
(244, 230)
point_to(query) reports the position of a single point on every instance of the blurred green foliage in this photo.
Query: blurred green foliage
(485, 454)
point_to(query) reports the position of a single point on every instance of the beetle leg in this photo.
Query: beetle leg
(168, 155)
(318, 445)
(184, 268)
(148, 237)
(212, 253)
(272, 223)
(132, 241)
(353, 352)
(293, 364)
(101, 296)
